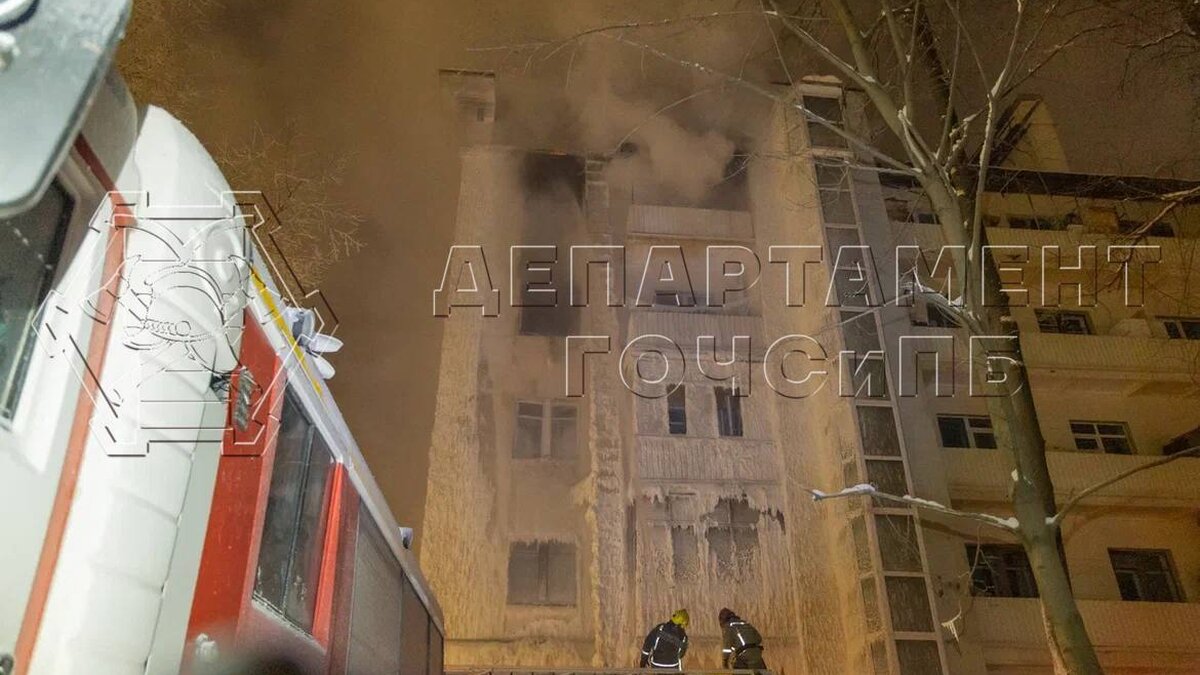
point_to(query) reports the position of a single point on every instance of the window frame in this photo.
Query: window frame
(971, 425)
(810, 124)
(1188, 328)
(740, 565)
(981, 556)
(677, 411)
(731, 422)
(549, 408)
(1167, 569)
(326, 519)
(543, 549)
(1058, 315)
(13, 384)
(1098, 437)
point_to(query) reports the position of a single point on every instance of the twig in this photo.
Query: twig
(1071, 503)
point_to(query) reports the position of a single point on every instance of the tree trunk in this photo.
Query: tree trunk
(1070, 646)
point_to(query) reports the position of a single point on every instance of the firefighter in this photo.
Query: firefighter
(667, 643)
(742, 645)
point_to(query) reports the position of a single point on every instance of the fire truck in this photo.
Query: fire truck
(178, 489)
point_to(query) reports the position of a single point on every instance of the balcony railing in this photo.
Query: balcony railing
(691, 223)
(682, 327)
(985, 475)
(1157, 637)
(1130, 365)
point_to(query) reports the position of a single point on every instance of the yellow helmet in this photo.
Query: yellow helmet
(680, 618)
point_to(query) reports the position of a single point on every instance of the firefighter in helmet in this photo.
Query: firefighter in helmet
(741, 644)
(667, 643)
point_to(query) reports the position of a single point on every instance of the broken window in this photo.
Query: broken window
(1145, 575)
(30, 245)
(887, 475)
(293, 534)
(1181, 328)
(966, 431)
(1060, 321)
(733, 537)
(729, 412)
(545, 430)
(1109, 437)
(1000, 571)
(677, 411)
(829, 109)
(541, 573)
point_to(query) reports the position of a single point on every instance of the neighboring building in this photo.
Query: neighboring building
(558, 530)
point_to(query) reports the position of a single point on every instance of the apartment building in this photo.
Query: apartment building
(559, 529)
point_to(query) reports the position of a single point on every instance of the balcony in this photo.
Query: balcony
(1158, 637)
(691, 223)
(699, 459)
(985, 476)
(683, 326)
(1115, 364)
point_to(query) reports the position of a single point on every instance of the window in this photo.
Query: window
(545, 430)
(1109, 437)
(833, 184)
(541, 573)
(830, 110)
(1000, 571)
(1038, 223)
(940, 318)
(1145, 575)
(293, 536)
(733, 537)
(966, 431)
(729, 412)
(1160, 228)
(677, 411)
(554, 321)
(1181, 329)
(30, 246)
(1058, 321)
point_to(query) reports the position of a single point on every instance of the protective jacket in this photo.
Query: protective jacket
(742, 646)
(665, 647)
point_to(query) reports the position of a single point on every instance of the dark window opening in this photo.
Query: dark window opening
(729, 412)
(966, 431)
(1182, 329)
(677, 411)
(1058, 321)
(1145, 575)
(1000, 571)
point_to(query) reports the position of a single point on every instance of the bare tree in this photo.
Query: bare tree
(166, 61)
(939, 98)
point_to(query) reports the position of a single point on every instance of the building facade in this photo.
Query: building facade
(560, 528)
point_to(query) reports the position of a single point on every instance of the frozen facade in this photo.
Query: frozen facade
(558, 530)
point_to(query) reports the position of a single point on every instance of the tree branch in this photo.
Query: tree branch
(866, 489)
(1071, 503)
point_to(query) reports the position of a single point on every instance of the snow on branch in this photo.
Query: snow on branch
(866, 489)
